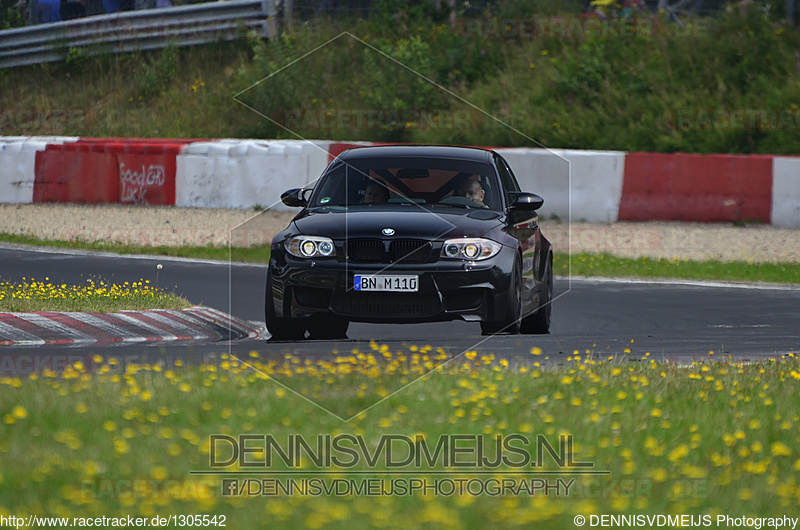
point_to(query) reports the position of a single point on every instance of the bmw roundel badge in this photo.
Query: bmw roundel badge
(388, 231)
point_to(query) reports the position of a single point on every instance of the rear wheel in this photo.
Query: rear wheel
(513, 319)
(539, 322)
(281, 328)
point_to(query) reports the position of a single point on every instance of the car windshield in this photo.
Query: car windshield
(409, 180)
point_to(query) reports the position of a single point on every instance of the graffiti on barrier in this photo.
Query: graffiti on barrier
(136, 183)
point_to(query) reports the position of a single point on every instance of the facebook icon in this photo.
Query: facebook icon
(230, 486)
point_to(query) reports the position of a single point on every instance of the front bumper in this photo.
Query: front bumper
(448, 290)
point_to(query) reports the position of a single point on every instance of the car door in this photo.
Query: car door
(524, 227)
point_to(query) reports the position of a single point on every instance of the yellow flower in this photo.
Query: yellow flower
(780, 449)
(678, 453)
(658, 474)
(121, 446)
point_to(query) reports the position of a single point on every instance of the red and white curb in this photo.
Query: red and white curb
(196, 324)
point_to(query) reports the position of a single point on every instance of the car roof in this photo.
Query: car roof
(437, 151)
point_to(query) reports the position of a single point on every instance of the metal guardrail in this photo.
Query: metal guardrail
(137, 30)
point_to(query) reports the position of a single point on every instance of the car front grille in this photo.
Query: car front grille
(409, 251)
(365, 250)
(400, 251)
(387, 305)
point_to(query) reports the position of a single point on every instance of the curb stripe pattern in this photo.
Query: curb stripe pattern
(68, 321)
(176, 326)
(194, 324)
(108, 327)
(137, 321)
(67, 334)
(13, 335)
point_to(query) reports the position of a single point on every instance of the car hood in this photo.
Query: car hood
(414, 223)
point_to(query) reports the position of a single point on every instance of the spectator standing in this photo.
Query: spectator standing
(71, 9)
(94, 7)
(48, 11)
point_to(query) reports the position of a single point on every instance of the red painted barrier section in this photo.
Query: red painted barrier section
(704, 188)
(71, 173)
(108, 170)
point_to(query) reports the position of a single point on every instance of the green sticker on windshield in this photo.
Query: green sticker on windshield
(325, 200)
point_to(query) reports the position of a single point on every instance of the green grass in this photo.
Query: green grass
(106, 439)
(95, 296)
(586, 264)
(583, 264)
(251, 255)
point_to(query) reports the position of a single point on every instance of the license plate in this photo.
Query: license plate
(380, 282)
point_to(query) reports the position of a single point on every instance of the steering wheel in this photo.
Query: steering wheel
(455, 199)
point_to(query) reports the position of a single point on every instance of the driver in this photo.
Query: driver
(472, 189)
(376, 193)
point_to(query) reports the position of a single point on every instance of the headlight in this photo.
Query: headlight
(473, 249)
(310, 247)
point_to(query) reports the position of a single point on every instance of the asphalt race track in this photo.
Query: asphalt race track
(670, 320)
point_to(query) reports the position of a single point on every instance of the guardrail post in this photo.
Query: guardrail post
(288, 9)
(33, 12)
(268, 8)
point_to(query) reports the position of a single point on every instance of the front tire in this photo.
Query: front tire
(281, 328)
(513, 320)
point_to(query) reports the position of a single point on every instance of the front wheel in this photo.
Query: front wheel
(513, 319)
(281, 328)
(539, 322)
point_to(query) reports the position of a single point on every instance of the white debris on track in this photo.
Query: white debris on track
(170, 226)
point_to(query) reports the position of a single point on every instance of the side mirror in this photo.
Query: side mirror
(526, 201)
(294, 198)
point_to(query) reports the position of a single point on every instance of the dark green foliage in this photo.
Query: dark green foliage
(156, 76)
(659, 91)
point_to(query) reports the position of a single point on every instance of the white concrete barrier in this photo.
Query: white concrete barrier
(18, 165)
(246, 173)
(590, 182)
(785, 192)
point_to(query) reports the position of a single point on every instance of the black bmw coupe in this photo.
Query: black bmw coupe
(402, 234)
